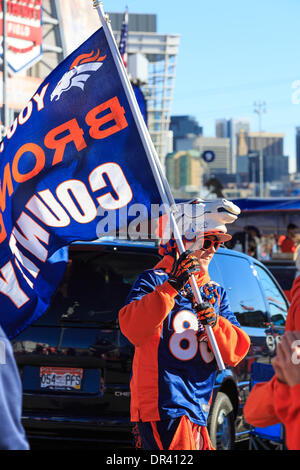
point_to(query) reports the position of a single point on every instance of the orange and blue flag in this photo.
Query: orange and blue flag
(73, 156)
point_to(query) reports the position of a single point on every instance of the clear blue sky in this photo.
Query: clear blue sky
(231, 54)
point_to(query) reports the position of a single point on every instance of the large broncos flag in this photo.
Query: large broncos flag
(73, 155)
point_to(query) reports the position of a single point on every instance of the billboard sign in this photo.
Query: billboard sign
(24, 33)
(78, 23)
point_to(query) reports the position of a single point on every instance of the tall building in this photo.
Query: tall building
(185, 129)
(230, 129)
(298, 149)
(272, 143)
(220, 148)
(160, 52)
(275, 163)
(275, 168)
(185, 171)
(223, 128)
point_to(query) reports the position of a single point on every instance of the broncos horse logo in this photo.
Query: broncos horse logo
(80, 70)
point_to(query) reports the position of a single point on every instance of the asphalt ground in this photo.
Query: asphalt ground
(81, 445)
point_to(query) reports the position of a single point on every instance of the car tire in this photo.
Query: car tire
(221, 423)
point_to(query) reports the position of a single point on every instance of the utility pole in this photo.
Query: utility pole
(259, 108)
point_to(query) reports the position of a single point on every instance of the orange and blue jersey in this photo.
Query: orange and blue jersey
(172, 434)
(174, 370)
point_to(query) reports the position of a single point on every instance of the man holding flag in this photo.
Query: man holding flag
(174, 367)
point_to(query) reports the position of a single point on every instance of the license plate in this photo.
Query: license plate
(60, 378)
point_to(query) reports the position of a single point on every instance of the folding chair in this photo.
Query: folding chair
(269, 437)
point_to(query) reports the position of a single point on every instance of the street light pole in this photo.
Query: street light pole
(260, 108)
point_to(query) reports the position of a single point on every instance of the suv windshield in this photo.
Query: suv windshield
(95, 286)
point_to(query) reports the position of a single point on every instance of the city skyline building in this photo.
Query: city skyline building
(185, 129)
(272, 143)
(276, 168)
(185, 171)
(219, 148)
(230, 128)
(275, 163)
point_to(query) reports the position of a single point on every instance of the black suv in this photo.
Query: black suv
(75, 363)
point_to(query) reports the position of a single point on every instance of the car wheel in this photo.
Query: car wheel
(221, 423)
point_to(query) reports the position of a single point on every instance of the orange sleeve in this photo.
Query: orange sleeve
(141, 318)
(287, 406)
(288, 246)
(293, 316)
(259, 409)
(232, 341)
(271, 402)
(262, 407)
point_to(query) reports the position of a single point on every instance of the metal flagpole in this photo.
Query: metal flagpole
(153, 159)
(4, 67)
(132, 100)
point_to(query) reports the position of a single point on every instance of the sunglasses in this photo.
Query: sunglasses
(208, 243)
(204, 244)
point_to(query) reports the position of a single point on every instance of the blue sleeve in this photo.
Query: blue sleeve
(12, 435)
(145, 284)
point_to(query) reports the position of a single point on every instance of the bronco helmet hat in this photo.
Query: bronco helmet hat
(196, 218)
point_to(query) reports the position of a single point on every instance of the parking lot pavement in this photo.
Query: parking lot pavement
(53, 444)
(77, 444)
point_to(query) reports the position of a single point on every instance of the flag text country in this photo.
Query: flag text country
(35, 239)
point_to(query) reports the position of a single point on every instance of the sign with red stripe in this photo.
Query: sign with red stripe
(24, 33)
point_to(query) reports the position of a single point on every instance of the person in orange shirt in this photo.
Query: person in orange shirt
(287, 399)
(268, 402)
(287, 242)
(174, 368)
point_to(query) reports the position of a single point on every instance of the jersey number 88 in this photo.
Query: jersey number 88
(184, 342)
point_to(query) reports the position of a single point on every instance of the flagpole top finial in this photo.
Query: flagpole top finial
(97, 3)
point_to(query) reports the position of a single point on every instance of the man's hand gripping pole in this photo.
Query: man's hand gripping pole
(197, 296)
